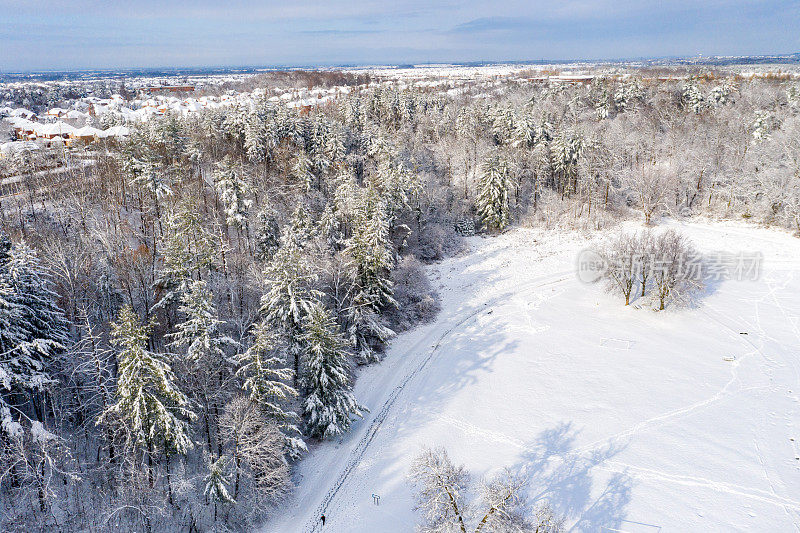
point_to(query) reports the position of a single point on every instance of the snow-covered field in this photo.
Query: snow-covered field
(624, 418)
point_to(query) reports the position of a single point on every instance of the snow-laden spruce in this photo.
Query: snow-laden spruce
(188, 250)
(289, 282)
(33, 330)
(493, 190)
(200, 333)
(148, 401)
(217, 482)
(369, 252)
(329, 406)
(233, 193)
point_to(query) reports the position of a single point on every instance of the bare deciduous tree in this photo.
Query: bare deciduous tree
(443, 491)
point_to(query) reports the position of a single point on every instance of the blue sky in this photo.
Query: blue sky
(56, 34)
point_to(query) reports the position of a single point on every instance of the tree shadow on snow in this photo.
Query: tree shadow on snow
(562, 475)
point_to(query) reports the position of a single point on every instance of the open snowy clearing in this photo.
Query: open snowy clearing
(624, 419)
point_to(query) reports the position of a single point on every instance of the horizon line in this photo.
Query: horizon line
(400, 64)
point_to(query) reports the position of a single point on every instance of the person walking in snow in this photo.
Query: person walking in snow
(323, 519)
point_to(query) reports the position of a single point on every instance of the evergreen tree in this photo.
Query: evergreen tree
(693, 97)
(289, 279)
(761, 127)
(493, 187)
(188, 251)
(260, 136)
(267, 235)
(626, 95)
(566, 151)
(329, 405)
(206, 364)
(33, 330)
(300, 229)
(397, 185)
(301, 171)
(233, 193)
(217, 482)
(267, 378)
(148, 401)
(330, 228)
(44, 323)
(200, 333)
(369, 254)
(370, 250)
(503, 124)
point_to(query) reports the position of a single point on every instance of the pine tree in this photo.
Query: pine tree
(301, 171)
(503, 121)
(200, 333)
(233, 193)
(33, 329)
(370, 250)
(397, 185)
(260, 136)
(329, 405)
(289, 278)
(492, 200)
(267, 235)
(330, 228)
(216, 489)
(370, 260)
(43, 321)
(216, 483)
(267, 378)
(566, 151)
(627, 93)
(300, 229)
(205, 365)
(761, 127)
(693, 97)
(148, 401)
(188, 251)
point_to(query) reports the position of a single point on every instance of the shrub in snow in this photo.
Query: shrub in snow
(465, 226)
(431, 242)
(416, 299)
(620, 273)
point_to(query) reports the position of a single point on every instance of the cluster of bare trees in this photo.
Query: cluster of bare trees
(447, 502)
(663, 266)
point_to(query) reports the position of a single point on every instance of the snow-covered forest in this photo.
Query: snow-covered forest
(183, 319)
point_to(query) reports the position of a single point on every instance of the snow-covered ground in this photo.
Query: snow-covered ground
(625, 419)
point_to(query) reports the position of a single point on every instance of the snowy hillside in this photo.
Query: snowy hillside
(624, 419)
